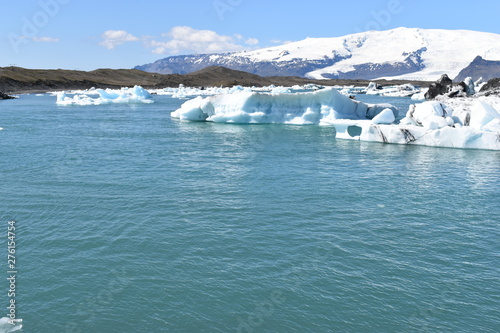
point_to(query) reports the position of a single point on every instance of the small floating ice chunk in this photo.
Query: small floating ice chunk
(136, 94)
(281, 90)
(419, 96)
(384, 117)
(375, 109)
(8, 325)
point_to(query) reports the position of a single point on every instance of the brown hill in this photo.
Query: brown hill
(22, 80)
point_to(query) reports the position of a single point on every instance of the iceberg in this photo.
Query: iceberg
(420, 96)
(471, 123)
(405, 90)
(183, 92)
(384, 117)
(309, 108)
(136, 94)
(462, 137)
(452, 123)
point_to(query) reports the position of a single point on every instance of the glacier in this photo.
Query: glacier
(408, 54)
(136, 94)
(471, 123)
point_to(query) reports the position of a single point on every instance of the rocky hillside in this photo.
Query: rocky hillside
(480, 68)
(21, 80)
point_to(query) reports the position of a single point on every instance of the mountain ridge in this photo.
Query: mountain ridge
(402, 53)
(480, 68)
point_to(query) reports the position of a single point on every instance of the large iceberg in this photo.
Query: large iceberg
(319, 107)
(472, 123)
(136, 94)
(455, 123)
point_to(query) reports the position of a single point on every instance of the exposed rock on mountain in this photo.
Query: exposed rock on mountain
(480, 68)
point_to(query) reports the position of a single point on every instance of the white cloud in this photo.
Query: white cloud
(184, 39)
(252, 41)
(113, 38)
(181, 39)
(45, 39)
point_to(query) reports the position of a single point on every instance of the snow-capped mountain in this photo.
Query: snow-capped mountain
(403, 53)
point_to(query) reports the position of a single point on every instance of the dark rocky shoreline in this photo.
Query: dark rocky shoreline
(5, 96)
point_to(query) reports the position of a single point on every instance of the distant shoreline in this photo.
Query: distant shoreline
(16, 80)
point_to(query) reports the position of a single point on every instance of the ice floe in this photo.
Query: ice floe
(136, 94)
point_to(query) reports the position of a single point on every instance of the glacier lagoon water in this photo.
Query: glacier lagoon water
(129, 221)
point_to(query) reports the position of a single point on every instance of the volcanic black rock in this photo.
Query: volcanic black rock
(5, 96)
(440, 87)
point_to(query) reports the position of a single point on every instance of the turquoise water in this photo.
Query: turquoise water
(129, 221)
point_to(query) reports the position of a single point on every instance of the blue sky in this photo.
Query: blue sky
(86, 35)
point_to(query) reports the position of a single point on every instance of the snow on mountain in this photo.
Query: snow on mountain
(402, 53)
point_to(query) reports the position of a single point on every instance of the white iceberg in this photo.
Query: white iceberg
(108, 96)
(454, 123)
(430, 115)
(384, 117)
(420, 96)
(405, 90)
(183, 92)
(462, 137)
(472, 123)
(319, 107)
